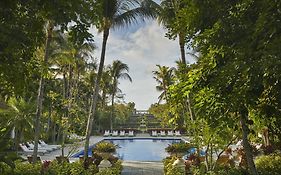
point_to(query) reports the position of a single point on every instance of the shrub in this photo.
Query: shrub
(65, 168)
(25, 168)
(55, 168)
(105, 147)
(231, 171)
(269, 164)
(116, 169)
(5, 169)
(178, 147)
(169, 169)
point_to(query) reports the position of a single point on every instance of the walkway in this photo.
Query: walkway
(142, 168)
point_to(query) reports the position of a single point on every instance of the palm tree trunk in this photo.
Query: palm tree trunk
(41, 92)
(190, 108)
(95, 94)
(246, 144)
(182, 43)
(112, 111)
(54, 132)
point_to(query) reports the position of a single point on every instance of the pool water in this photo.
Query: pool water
(140, 149)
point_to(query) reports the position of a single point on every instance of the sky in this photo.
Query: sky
(141, 47)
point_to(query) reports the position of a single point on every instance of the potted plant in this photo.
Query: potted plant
(178, 149)
(105, 150)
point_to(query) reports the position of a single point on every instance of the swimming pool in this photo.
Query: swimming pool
(139, 149)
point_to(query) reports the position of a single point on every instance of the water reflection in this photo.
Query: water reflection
(143, 149)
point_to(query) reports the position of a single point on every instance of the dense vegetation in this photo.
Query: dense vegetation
(51, 86)
(233, 91)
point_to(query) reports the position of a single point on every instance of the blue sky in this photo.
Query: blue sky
(142, 47)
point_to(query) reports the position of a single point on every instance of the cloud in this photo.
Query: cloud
(142, 50)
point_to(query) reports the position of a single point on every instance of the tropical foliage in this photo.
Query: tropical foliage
(51, 86)
(115, 14)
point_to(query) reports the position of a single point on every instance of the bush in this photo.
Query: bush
(178, 147)
(269, 165)
(25, 168)
(5, 169)
(169, 169)
(231, 171)
(105, 147)
(55, 168)
(116, 169)
(65, 168)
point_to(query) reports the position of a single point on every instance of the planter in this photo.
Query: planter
(105, 163)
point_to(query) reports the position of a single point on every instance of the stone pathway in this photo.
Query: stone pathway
(142, 168)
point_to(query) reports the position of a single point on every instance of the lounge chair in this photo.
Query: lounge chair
(75, 136)
(154, 134)
(162, 133)
(27, 151)
(177, 133)
(170, 133)
(106, 133)
(131, 134)
(115, 133)
(31, 146)
(47, 145)
(122, 134)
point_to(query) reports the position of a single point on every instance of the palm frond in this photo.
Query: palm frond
(130, 16)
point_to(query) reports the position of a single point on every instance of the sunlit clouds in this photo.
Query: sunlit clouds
(141, 49)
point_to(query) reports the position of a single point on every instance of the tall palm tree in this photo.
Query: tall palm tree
(115, 14)
(164, 77)
(168, 10)
(70, 58)
(118, 70)
(40, 95)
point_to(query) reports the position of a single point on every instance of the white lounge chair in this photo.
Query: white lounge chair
(154, 134)
(31, 146)
(170, 133)
(106, 133)
(115, 133)
(27, 151)
(75, 136)
(162, 133)
(131, 133)
(122, 134)
(177, 133)
(47, 145)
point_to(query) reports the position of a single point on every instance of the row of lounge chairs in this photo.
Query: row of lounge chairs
(163, 133)
(116, 133)
(76, 137)
(43, 147)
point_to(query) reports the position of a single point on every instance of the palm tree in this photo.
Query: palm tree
(105, 86)
(20, 118)
(115, 14)
(118, 70)
(71, 59)
(40, 95)
(164, 77)
(168, 17)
